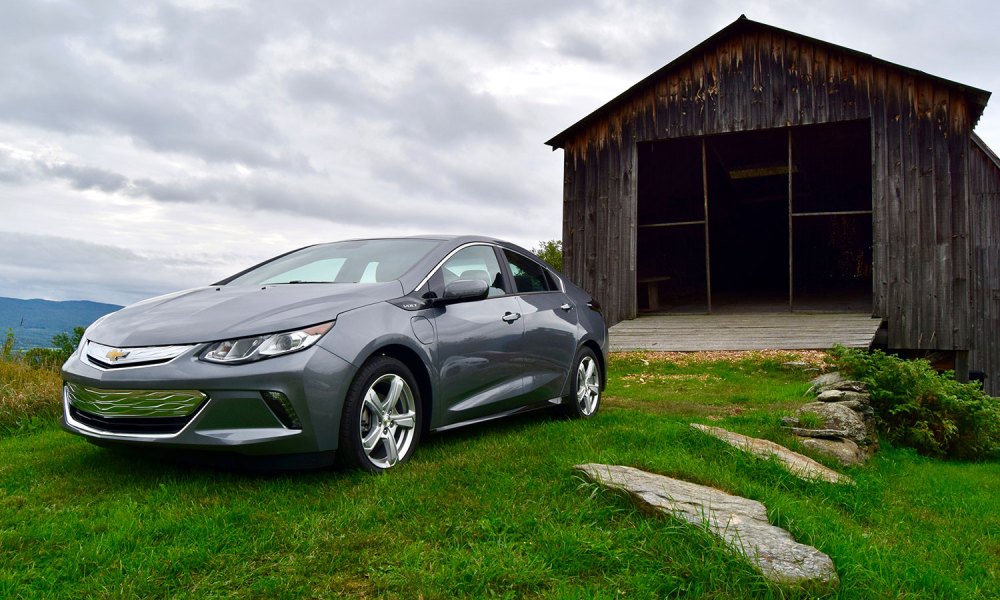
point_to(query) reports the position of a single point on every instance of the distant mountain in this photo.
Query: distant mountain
(34, 322)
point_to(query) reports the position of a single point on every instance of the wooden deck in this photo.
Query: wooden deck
(746, 331)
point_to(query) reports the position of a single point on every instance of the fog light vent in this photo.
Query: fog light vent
(282, 408)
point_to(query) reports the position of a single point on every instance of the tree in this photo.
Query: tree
(66, 343)
(551, 252)
(63, 344)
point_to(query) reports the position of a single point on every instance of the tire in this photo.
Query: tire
(584, 398)
(382, 419)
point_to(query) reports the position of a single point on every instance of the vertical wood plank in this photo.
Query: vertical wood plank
(880, 192)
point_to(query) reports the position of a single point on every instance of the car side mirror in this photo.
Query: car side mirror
(464, 290)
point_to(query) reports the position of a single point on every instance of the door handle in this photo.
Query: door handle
(566, 306)
(510, 317)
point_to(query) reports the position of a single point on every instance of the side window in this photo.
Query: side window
(474, 262)
(529, 276)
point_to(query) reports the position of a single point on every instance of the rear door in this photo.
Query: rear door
(550, 327)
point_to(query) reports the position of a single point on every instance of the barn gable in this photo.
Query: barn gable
(763, 163)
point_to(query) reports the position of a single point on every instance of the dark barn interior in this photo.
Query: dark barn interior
(734, 190)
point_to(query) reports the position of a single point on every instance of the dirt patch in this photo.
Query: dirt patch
(815, 359)
(658, 377)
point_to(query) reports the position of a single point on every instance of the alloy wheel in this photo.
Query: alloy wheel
(387, 421)
(588, 386)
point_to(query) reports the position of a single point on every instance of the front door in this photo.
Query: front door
(478, 342)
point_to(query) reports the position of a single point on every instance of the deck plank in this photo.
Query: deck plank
(749, 331)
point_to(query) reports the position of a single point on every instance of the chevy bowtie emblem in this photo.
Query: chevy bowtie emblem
(115, 355)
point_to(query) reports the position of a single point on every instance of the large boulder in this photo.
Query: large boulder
(741, 523)
(836, 417)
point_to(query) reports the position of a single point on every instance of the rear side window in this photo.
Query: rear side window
(529, 276)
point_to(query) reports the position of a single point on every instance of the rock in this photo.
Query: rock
(824, 381)
(857, 406)
(842, 396)
(741, 523)
(797, 464)
(818, 433)
(843, 450)
(859, 387)
(835, 381)
(836, 417)
(846, 429)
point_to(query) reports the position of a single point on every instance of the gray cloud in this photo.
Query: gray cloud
(64, 269)
(88, 178)
(431, 106)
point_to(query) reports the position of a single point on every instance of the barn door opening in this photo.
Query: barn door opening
(747, 177)
(776, 219)
(671, 261)
(832, 217)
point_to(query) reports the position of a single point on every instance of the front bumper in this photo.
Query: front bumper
(284, 405)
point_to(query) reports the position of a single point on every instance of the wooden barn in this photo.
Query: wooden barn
(765, 168)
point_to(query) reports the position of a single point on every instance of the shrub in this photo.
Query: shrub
(44, 358)
(919, 408)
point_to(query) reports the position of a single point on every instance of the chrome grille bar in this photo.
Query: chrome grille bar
(134, 403)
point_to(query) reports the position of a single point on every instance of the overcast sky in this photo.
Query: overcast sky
(152, 146)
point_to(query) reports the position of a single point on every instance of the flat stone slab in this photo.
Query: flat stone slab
(797, 464)
(741, 523)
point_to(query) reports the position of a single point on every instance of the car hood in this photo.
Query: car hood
(221, 312)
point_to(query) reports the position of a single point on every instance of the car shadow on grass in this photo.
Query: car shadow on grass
(136, 464)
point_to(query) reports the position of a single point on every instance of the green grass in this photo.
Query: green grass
(28, 396)
(494, 511)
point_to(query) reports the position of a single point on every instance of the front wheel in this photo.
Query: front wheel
(585, 395)
(380, 427)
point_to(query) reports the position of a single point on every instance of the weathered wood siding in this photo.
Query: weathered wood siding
(758, 79)
(984, 185)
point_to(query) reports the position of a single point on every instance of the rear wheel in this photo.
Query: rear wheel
(585, 394)
(380, 427)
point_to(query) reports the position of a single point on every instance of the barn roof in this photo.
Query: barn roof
(978, 141)
(977, 97)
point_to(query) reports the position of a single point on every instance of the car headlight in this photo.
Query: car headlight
(258, 347)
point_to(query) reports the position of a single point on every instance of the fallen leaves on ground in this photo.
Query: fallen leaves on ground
(813, 359)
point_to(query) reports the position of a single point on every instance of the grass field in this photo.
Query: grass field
(494, 511)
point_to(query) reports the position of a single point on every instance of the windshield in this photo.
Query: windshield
(359, 261)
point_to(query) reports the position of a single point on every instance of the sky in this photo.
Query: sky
(152, 146)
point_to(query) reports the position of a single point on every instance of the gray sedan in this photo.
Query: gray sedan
(351, 349)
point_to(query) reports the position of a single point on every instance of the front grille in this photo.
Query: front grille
(136, 425)
(134, 403)
(133, 411)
